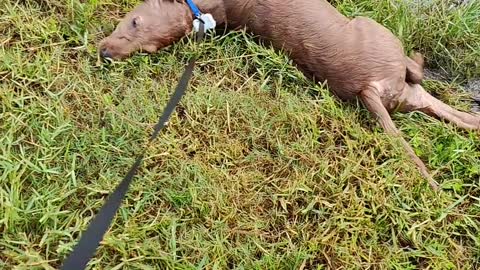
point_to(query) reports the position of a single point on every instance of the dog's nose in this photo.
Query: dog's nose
(105, 53)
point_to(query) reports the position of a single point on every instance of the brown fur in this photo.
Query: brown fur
(357, 57)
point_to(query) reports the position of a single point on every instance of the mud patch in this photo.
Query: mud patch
(472, 86)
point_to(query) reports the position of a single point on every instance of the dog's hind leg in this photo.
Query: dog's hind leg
(373, 102)
(414, 97)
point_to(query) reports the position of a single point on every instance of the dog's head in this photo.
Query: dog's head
(151, 26)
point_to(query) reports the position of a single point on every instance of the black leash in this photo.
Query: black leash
(90, 240)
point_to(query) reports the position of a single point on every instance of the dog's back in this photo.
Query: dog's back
(326, 45)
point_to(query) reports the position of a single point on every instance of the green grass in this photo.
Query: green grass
(259, 169)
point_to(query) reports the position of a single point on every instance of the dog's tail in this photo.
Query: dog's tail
(415, 64)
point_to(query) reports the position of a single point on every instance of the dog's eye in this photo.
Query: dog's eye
(134, 22)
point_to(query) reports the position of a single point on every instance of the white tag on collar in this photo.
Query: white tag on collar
(207, 19)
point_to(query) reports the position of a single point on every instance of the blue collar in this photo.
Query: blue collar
(196, 12)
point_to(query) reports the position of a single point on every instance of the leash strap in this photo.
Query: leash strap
(90, 240)
(196, 12)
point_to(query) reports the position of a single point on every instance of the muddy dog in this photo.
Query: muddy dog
(358, 58)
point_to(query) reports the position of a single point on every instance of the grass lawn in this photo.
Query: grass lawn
(259, 168)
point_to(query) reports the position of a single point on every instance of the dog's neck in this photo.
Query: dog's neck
(233, 14)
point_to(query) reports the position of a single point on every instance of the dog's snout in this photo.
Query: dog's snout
(105, 53)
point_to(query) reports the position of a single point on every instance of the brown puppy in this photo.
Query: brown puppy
(357, 57)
